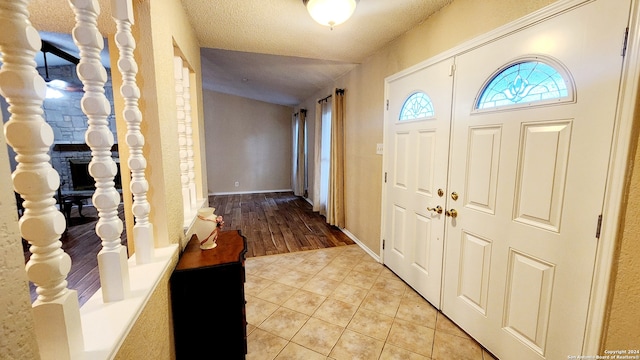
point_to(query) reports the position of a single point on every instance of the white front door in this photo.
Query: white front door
(531, 178)
(416, 147)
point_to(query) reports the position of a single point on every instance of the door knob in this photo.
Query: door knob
(453, 213)
(437, 209)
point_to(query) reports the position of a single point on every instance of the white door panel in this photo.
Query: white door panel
(418, 153)
(520, 255)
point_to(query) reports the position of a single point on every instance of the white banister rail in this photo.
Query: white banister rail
(56, 310)
(182, 137)
(122, 11)
(188, 121)
(112, 259)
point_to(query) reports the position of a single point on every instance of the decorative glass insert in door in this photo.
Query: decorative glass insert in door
(417, 106)
(524, 83)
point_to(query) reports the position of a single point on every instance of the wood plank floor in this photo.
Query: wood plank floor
(273, 223)
(276, 223)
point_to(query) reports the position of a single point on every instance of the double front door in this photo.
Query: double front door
(496, 162)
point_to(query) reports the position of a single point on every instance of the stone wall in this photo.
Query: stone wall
(69, 123)
(65, 114)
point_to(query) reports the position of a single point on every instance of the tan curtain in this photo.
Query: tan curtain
(316, 157)
(335, 213)
(299, 168)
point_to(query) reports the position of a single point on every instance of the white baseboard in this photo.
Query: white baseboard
(361, 244)
(248, 192)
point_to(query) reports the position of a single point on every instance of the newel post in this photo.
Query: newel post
(112, 259)
(56, 311)
(122, 11)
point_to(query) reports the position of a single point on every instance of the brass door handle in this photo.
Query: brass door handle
(453, 213)
(437, 209)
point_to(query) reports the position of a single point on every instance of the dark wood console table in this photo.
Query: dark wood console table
(207, 299)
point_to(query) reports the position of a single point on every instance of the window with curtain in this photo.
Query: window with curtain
(325, 154)
(300, 153)
(329, 162)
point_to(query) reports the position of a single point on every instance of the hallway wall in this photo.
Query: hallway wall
(247, 141)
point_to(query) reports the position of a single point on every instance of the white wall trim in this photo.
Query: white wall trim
(248, 192)
(362, 245)
(105, 326)
(616, 182)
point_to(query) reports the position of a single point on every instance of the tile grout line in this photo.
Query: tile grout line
(359, 307)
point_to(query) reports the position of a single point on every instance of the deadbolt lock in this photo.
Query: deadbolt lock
(454, 196)
(440, 192)
(453, 213)
(437, 209)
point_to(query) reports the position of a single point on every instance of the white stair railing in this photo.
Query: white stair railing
(122, 12)
(112, 259)
(56, 310)
(182, 137)
(188, 121)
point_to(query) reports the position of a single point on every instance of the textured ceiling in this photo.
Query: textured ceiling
(283, 27)
(271, 50)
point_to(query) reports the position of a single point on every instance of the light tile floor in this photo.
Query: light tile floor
(339, 303)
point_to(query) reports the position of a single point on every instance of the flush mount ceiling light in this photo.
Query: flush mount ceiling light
(330, 12)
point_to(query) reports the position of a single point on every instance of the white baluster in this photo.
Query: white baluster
(112, 259)
(188, 121)
(56, 311)
(122, 11)
(182, 137)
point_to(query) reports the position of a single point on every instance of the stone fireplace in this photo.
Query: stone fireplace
(71, 162)
(69, 125)
(70, 155)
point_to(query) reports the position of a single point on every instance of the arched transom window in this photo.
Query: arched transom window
(417, 106)
(524, 83)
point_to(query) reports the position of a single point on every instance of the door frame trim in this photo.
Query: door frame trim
(615, 189)
(619, 156)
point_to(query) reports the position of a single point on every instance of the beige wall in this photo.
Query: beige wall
(247, 141)
(622, 330)
(149, 338)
